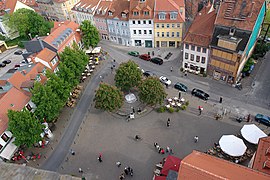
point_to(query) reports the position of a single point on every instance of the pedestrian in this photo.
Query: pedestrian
(248, 118)
(220, 99)
(162, 151)
(128, 168)
(179, 95)
(118, 163)
(167, 86)
(171, 151)
(159, 149)
(80, 170)
(133, 110)
(168, 122)
(131, 172)
(196, 139)
(72, 152)
(153, 53)
(100, 157)
(126, 171)
(200, 110)
(185, 74)
(122, 176)
(167, 149)
(155, 144)
(171, 68)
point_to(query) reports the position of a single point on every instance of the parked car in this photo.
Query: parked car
(157, 60)
(149, 74)
(17, 65)
(263, 119)
(165, 80)
(200, 94)
(2, 64)
(134, 53)
(7, 61)
(145, 57)
(180, 87)
(18, 52)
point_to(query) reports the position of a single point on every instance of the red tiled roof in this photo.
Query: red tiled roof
(202, 166)
(36, 70)
(15, 100)
(201, 30)
(46, 55)
(3, 82)
(16, 79)
(241, 14)
(262, 156)
(10, 4)
(86, 4)
(30, 3)
(148, 5)
(103, 6)
(117, 8)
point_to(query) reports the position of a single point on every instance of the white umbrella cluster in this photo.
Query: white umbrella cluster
(232, 145)
(252, 133)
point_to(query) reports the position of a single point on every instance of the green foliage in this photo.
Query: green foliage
(128, 75)
(204, 74)
(27, 21)
(108, 98)
(151, 91)
(47, 102)
(73, 62)
(181, 69)
(248, 64)
(177, 110)
(260, 49)
(187, 103)
(24, 127)
(183, 107)
(90, 35)
(170, 109)
(161, 109)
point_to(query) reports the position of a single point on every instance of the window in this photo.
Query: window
(197, 58)
(172, 34)
(203, 60)
(192, 57)
(161, 16)
(144, 21)
(150, 22)
(146, 13)
(157, 25)
(187, 46)
(124, 15)
(133, 22)
(168, 34)
(168, 25)
(186, 55)
(178, 25)
(110, 13)
(157, 34)
(140, 31)
(162, 34)
(139, 22)
(198, 49)
(54, 61)
(5, 137)
(162, 25)
(193, 48)
(144, 31)
(134, 31)
(173, 15)
(172, 25)
(150, 31)
(135, 13)
(204, 50)
(177, 34)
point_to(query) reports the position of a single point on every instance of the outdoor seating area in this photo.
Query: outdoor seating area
(175, 102)
(74, 95)
(89, 68)
(169, 165)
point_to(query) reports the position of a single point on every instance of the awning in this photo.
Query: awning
(252, 133)
(172, 163)
(96, 50)
(9, 150)
(232, 145)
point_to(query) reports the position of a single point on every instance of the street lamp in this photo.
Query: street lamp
(30, 36)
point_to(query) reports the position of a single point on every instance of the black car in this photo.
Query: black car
(157, 60)
(19, 52)
(6, 61)
(2, 64)
(200, 94)
(180, 87)
(149, 74)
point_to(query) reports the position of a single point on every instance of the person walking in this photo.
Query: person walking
(171, 68)
(118, 163)
(168, 122)
(100, 157)
(200, 110)
(122, 176)
(155, 144)
(162, 151)
(126, 170)
(72, 152)
(167, 149)
(248, 118)
(80, 170)
(171, 151)
(131, 172)
(196, 139)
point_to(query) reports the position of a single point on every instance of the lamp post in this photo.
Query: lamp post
(30, 36)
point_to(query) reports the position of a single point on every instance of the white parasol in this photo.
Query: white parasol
(252, 133)
(232, 145)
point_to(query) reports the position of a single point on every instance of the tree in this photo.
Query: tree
(27, 21)
(47, 102)
(90, 35)
(108, 98)
(128, 75)
(151, 91)
(24, 127)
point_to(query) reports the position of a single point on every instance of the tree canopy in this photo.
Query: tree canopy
(90, 35)
(24, 127)
(128, 75)
(108, 97)
(27, 21)
(151, 91)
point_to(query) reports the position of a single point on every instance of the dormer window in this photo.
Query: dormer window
(142, 0)
(173, 15)
(135, 13)
(161, 16)
(124, 15)
(98, 11)
(232, 30)
(146, 13)
(110, 13)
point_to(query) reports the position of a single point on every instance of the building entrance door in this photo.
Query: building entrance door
(148, 43)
